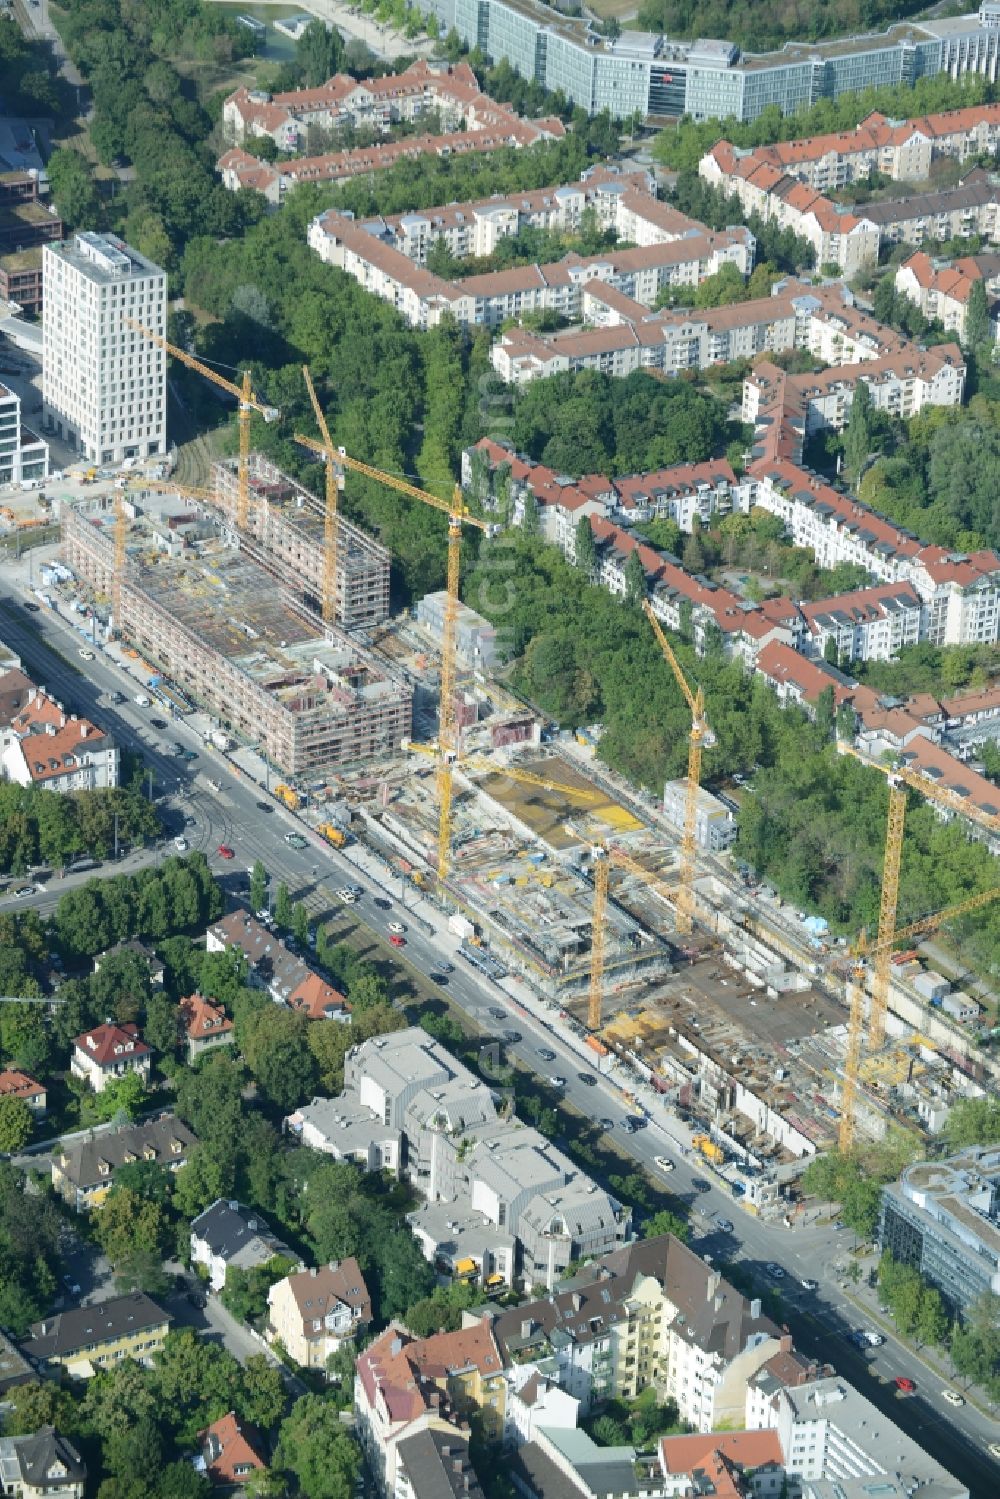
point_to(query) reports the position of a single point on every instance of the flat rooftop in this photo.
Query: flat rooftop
(104, 258)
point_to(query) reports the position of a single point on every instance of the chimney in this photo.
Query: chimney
(755, 1310)
(786, 1343)
(712, 1285)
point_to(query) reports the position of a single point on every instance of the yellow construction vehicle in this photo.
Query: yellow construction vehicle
(708, 1148)
(336, 837)
(287, 795)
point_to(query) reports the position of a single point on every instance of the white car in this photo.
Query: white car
(86, 655)
(397, 928)
(180, 844)
(993, 1448)
(952, 1397)
(348, 897)
(663, 1163)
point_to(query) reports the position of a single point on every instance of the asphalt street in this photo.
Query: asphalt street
(224, 807)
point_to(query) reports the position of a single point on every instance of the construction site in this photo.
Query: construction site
(624, 915)
(287, 522)
(246, 649)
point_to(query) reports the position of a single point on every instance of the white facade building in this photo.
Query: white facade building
(715, 826)
(104, 383)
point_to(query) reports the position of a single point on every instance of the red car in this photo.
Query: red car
(397, 941)
(225, 852)
(906, 1385)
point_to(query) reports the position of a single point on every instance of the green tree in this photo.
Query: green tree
(314, 1447)
(283, 909)
(279, 1057)
(300, 924)
(858, 432)
(973, 1121)
(162, 1025)
(977, 317)
(585, 547)
(127, 1224)
(262, 1398)
(258, 887)
(33, 1405)
(665, 1222)
(125, 1096)
(636, 586)
(15, 1124)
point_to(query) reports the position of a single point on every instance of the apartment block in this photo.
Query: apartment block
(314, 1312)
(496, 1193)
(942, 1218)
(23, 454)
(58, 751)
(85, 1339)
(21, 279)
(250, 651)
(652, 1313)
(83, 1170)
(941, 289)
(104, 383)
(375, 253)
(870, 624)
(404, 1386)
(288, 522)
(450, 92)
(852, 238)
(475, 637)
(823, 321)
(273, 967)
(435, 1465)
(834, 1438)
(470, 119)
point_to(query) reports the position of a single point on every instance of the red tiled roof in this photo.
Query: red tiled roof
(16, 1084)
(231, 1449)
(411, 1373)
(316, 998)
(746, 1449)
(108, 1043)
(202, 1019)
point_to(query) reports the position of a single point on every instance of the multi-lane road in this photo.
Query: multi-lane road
(224, 806)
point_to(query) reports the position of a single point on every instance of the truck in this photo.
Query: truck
(336, 837)
(460, 926)
(287, 795)
(708, 1148)
(220, 739)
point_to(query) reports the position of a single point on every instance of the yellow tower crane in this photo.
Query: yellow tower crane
(856, 996)
(248, 404)
(330, 519)
(700, 736)
(602, 857)
(458, 515)
(899, 778)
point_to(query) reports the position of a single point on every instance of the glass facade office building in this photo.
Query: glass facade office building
(709, 79)
(943, 1218)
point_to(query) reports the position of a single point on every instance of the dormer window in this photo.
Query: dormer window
(104, 1167)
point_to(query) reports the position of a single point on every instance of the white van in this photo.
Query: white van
(142, 700)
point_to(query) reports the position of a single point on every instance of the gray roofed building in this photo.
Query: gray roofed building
(84, 1338)
(14, 1367)
(388, 1072)
(83, 1170)
(436, 1465)
(227, 1233)
(42, 1464)
(349, 1131)
(836, 1442)
(566, 1463)
(449, 1235)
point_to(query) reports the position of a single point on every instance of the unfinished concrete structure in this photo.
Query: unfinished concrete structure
(287, 520)
(216, 624)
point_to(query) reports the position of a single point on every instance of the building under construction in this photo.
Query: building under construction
(287, 521)
(243, 647)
